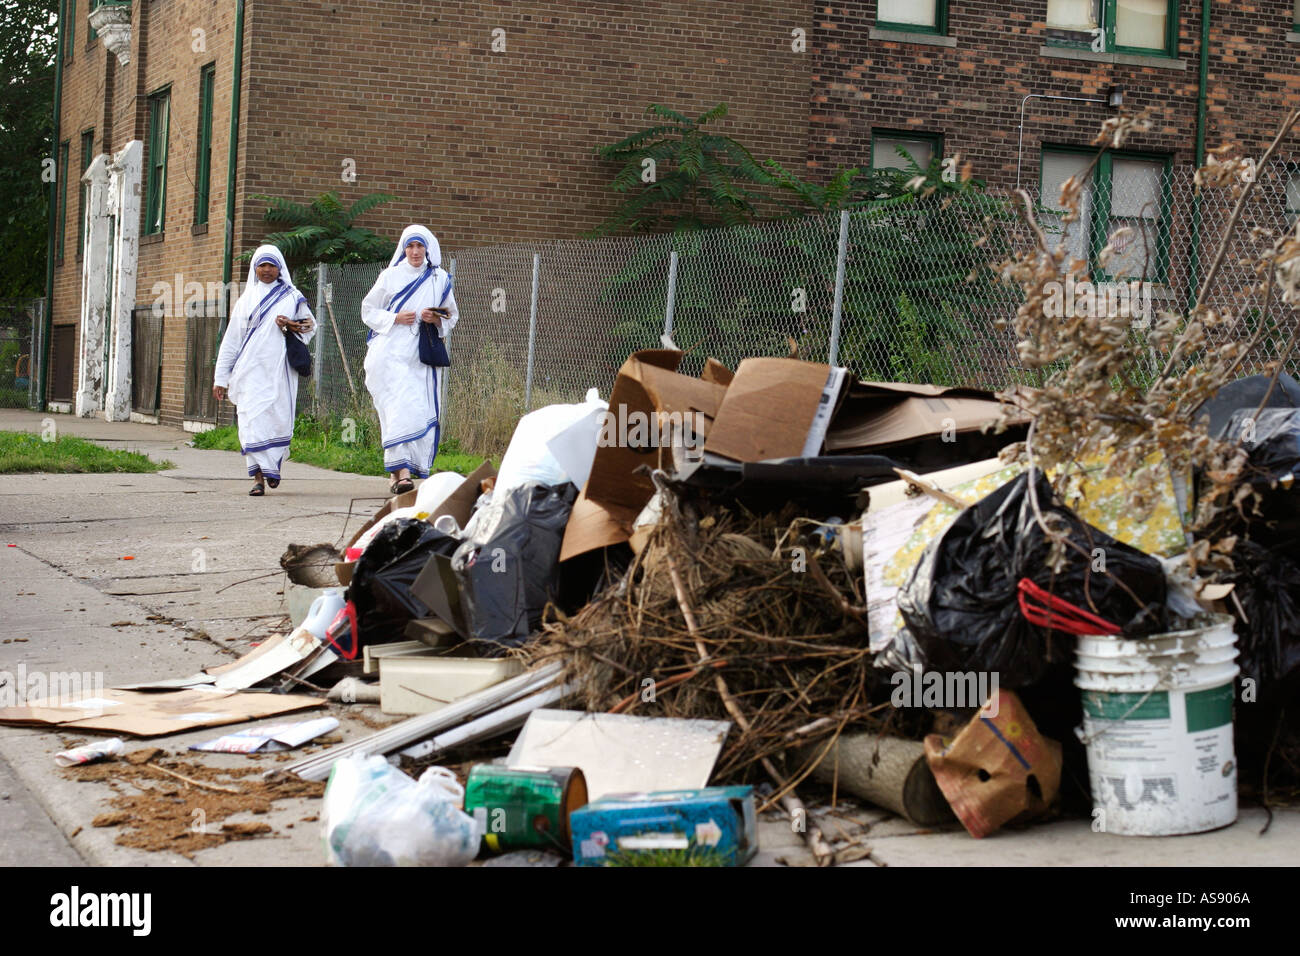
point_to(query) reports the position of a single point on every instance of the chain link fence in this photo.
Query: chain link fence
(21, 326)
(902, 291)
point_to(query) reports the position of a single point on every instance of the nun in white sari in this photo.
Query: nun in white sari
(412, 290)
(253, 368)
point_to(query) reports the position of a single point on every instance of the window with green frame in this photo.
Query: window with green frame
(203, 177)
(885, 143)
(1295, 17)
(1116, 26)
(87, 154)
(61, 172)
(155, 205)
(913, 16)
(1125, 189)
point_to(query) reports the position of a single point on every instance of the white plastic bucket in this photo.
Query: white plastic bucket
(1157, 722)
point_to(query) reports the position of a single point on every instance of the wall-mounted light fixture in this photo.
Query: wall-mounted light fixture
(1115, 97)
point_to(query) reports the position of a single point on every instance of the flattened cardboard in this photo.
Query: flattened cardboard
(593, 525)
(144, 714)
(768, 409)
(458, 504)
(877, 414)
(647, 383)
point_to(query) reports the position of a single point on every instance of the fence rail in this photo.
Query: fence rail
(900, 292)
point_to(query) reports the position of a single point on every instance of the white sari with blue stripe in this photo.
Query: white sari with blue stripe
(253, 366)
(403, 389)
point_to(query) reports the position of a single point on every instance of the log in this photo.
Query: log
(887, 771)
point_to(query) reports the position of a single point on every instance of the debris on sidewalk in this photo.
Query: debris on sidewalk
(713, 826)
(90, 753)
(270, 739)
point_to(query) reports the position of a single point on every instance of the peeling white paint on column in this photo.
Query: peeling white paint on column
(94, 292)
(124, 201)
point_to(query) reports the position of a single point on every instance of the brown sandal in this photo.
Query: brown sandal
(258, 490)
(401, 486)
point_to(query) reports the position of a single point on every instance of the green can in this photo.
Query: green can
(525, 807)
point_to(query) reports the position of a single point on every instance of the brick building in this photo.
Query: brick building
(482, 119)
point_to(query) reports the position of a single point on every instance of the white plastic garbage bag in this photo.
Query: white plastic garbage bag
(375, 815)
(553, 445)
(436, 489)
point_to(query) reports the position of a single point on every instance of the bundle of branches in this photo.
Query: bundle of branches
(1130, 399)
(734, 617)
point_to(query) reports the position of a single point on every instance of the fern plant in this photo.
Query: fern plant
(679, 176)
(324, 230)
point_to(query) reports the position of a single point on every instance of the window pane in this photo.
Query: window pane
(884, 152)
(1295, 17)
(1057, 168)
(919, 12)
(1135, 203)
(1141, 23)
(1078, 15)
(1135, 189)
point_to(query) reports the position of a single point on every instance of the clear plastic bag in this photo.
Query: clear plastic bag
(375, 815)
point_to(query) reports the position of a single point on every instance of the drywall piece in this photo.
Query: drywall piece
(622, 754)
(421, 685)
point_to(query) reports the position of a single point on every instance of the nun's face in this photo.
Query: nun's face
(415, 253)
(267, 272)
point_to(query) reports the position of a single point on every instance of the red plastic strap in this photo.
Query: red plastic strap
(348, 610)
(1058, 614)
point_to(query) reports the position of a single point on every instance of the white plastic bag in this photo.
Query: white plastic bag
(436, 489)
(375, 815)
(529, 456)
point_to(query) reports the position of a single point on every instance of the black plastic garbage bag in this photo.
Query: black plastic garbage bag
(508, 564)
(960, 606)
(1248, 393)
(1268, 592)
(1271, 441)
(381, 582)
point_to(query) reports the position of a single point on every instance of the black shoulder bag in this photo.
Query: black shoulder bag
(432, 349)
(296, 350)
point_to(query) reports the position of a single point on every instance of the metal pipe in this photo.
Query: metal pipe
(1020, 147)
(532, 336)
(232, 160)
(671, 305)
(1194, 256)
(499, 721)
(838, 308)
(52, 227)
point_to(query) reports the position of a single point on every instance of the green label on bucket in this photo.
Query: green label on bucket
(1135, 706)
(1210, 708)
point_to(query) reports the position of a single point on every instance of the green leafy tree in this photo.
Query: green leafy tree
(326, 230)
(28, 41)
(680, 176)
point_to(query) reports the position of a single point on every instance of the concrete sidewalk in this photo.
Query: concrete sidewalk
(141, 577)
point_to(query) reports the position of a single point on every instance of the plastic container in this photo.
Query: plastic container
(1158, 727)
(323, 610)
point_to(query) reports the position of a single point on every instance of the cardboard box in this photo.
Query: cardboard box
(876, 415)
(458, 504)
(714, 825)
(771, 407)
(648, 384)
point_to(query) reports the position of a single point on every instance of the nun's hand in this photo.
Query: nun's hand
(404, 318)
(283, 321)
(433, 316)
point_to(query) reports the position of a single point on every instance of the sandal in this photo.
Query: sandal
(257, 490)
(401, 486)
(272, 483)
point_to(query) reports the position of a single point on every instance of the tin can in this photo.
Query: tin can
(525, 807)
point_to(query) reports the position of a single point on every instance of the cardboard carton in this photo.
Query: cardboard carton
(713, 825)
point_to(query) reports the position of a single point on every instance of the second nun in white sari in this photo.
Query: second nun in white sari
(414, 289)
(253, 368)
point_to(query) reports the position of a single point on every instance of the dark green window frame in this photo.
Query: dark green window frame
(70, 10)
(939, 28)
(1109, 18)
(1099, 217)
(936, 139)
(1295, 18)
(62, 173)
(203, 177)
(155, 217)
(87, 154)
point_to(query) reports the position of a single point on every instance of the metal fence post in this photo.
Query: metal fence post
(317, 348)
(532, 337)
(837, 312)
(446, 341)
(672, 298)
(35, 370)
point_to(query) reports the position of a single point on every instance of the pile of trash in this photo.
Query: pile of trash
(751, 585)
